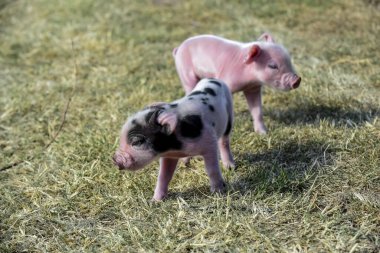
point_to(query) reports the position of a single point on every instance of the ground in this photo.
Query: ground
(72, 71)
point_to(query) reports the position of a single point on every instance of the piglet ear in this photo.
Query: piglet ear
(168, 120)
(252, 53)
(266, 37)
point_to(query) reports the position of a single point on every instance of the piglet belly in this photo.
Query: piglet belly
(175, 154)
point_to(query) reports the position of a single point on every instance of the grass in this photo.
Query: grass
(311, 185)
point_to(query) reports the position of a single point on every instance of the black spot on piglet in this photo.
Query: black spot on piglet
(191, 126)
(210, 91)
(228, 127)
(152, 138)
(214, 82)
(162, 142)
(151, 117)
(197, 92)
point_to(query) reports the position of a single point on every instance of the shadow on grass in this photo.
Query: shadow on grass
(311, 113)
(290, 168)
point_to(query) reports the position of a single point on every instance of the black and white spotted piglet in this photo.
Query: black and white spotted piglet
(197, 124)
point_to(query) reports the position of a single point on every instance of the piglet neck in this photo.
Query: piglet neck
(231, 69)
(244, 73)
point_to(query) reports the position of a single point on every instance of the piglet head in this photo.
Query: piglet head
(145, 136)
(271, 64)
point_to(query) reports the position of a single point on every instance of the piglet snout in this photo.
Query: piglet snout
(297, 82)
(122, 160)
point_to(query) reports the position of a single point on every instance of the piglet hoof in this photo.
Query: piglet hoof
(186, 161)
(158, 198)
(218, 188)
(229, 165)
(153, 200)
(262, 130)
(159, 195)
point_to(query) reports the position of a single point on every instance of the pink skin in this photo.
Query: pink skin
(168, 164)
(213, 138)
(243, 66)
(132, 159)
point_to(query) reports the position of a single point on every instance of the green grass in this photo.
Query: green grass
(311, 185)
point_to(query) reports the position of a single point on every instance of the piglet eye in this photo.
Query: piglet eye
(137, 141)
(273, 66)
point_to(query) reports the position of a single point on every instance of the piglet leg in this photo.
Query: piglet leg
(253, 97)
(186, 161)
(167, 168)
(213, 171)
(225, 152)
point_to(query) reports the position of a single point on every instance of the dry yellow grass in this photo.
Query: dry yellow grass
(311, 185)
